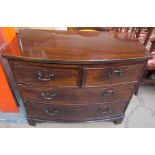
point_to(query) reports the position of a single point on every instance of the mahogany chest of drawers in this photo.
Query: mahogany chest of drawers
(74, 76)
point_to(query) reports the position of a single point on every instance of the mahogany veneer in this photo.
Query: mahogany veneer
(74, 76)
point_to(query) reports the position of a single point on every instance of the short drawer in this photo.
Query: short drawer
(64, 95)
(111, 75)
(45, 75)
(74, 113)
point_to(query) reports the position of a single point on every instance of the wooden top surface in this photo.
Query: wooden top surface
(75, 47)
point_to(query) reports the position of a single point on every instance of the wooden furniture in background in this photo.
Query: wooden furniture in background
(144, 34)
(75, 76)
(149, 76)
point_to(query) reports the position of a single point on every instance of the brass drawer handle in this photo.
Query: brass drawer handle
(52, 113)
(118, 73)
(48, 97)
(115, 73)
(104, 110)
(109, 93)
(41, 76)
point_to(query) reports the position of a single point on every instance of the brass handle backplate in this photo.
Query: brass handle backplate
(48, 97)
(104, 110)
(109, 93)
(118, 73)
(52, 112)
(41, 76)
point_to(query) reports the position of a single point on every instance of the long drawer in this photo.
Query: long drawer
(74, 113)
(51, 75)
(63, 95)
(113, 74)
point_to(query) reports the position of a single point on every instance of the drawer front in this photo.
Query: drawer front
(111, 75)
(74, 113)
(46, 76)
(76, 95)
